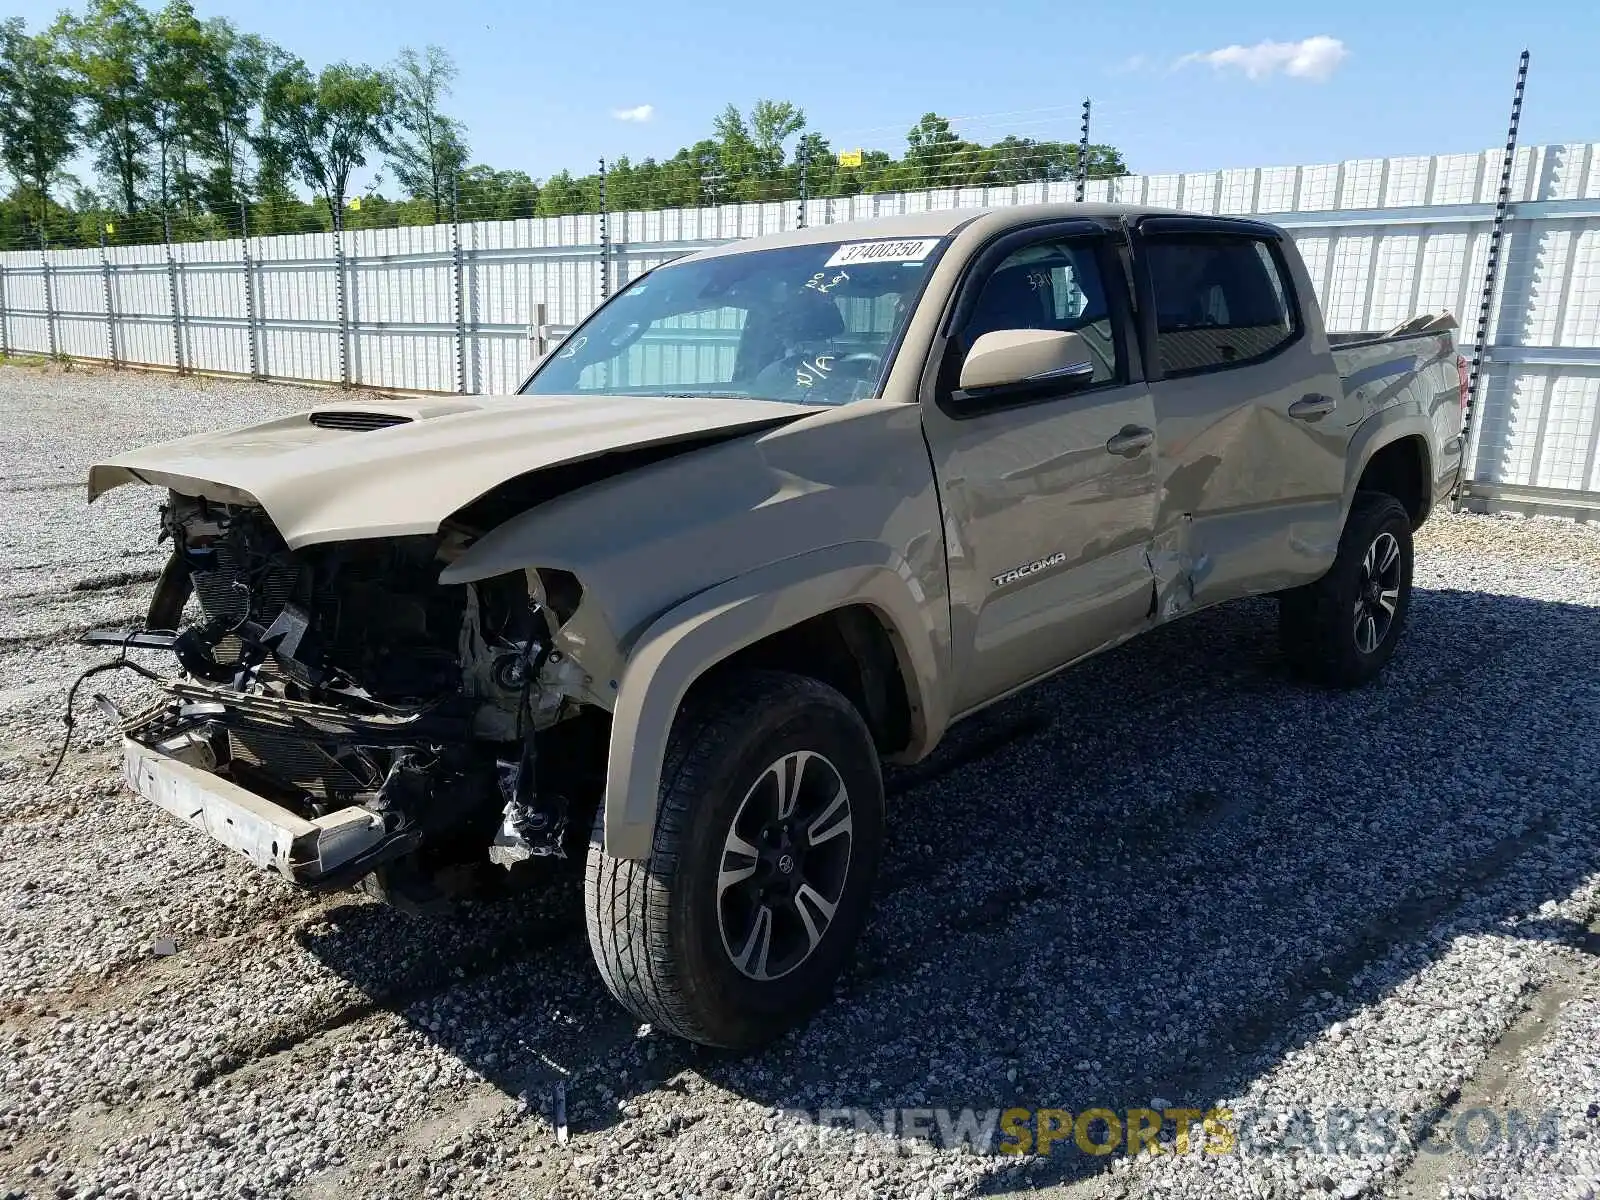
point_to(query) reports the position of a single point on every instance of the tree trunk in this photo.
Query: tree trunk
(130, 195)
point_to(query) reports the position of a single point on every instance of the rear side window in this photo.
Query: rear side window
(1220, 301)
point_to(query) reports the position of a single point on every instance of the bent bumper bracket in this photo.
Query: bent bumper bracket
(314, 853)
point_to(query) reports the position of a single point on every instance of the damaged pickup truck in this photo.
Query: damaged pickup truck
(775, 513)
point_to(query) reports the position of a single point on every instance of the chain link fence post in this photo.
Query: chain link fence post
(541, 333)
(172, 293)
(458, 266)
(340, 302)
(803, 156)
(49, 295)
(251, 333)
(1083, 155)
(111, 309)
(5, 316)
(605, 238)
(1491, 272)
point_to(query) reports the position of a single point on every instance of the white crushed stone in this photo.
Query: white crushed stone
(1169, 875)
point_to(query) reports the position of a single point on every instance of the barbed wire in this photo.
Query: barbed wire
(632, 187)
(641, 185)
(1063, 114)
(1045, 152)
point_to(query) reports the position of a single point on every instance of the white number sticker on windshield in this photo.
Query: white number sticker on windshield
(903, 250)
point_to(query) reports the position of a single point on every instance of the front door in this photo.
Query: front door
(1049, 498)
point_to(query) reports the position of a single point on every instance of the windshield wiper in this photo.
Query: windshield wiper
(703, 395)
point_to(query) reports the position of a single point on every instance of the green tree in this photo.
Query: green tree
(274, 164)
(180, 74)
(426, 148)
(562, 195)
(237, 67)
(820, 165)
(735, 157)
(772, 123)
(108, 50)
(705, 174)
(627, 185)
(326, 126)
(937, 157)
(1023, 160)
(875, 174)
(1105, 162)
(38, 121)
(929, 147)
(490, 195)
(750, 151)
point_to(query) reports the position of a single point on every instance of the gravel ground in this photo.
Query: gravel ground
(1170, 879)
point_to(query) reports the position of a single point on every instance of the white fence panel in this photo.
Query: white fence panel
(418, 309)
(141, 297)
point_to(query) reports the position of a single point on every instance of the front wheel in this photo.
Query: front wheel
(1342, 629)
(767, 840)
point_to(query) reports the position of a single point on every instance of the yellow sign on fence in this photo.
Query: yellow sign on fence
(849, 158)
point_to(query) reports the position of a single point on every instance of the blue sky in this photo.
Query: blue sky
(1176, 87)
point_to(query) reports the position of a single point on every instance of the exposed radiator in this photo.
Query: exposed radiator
(303, 763)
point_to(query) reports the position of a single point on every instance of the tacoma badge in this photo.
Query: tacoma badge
(1033, 568)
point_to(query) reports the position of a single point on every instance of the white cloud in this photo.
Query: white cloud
(640, 112)
(1315, 58)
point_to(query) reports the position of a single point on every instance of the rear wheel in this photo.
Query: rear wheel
(1342, 629)
(767, 840)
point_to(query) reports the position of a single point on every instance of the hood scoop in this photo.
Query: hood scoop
(356, 421)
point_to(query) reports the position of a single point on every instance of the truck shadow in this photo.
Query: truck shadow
(1153, 878)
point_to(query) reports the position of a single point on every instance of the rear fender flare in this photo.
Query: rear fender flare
(694, 636)
(1374, 434)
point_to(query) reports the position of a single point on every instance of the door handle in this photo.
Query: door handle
(1312, 407)
(1130, 440)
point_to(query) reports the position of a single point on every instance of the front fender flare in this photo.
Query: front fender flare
(687, 640)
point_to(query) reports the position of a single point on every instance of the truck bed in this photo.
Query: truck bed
(1424, 346)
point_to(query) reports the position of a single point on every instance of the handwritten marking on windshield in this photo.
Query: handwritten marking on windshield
(821, 283)
(810, 372)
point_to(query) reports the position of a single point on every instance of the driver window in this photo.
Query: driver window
(1049, 285)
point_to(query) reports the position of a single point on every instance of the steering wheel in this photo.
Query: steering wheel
(798, 374)
(873, 361)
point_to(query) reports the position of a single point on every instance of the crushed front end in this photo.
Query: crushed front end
(339, 715)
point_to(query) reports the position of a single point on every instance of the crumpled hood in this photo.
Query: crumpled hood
(321, 484)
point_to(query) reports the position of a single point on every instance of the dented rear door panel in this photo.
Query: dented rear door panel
(1252, 456)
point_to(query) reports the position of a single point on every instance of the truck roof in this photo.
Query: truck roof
(938, 223)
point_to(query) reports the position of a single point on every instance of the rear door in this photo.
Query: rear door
(1249, 411)
(1049, 496)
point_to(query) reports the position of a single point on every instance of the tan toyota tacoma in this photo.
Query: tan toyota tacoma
(774, 514)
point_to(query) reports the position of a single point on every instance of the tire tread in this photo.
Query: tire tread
(627, 903)
(1311, 618)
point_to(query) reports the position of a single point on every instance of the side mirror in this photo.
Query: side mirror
(1013, 357)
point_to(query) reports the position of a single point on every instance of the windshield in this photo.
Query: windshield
(813, 324)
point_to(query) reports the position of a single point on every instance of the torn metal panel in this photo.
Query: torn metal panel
(324, 484)
(1176, 569)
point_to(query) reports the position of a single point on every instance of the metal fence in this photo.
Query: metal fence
(454, 308)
